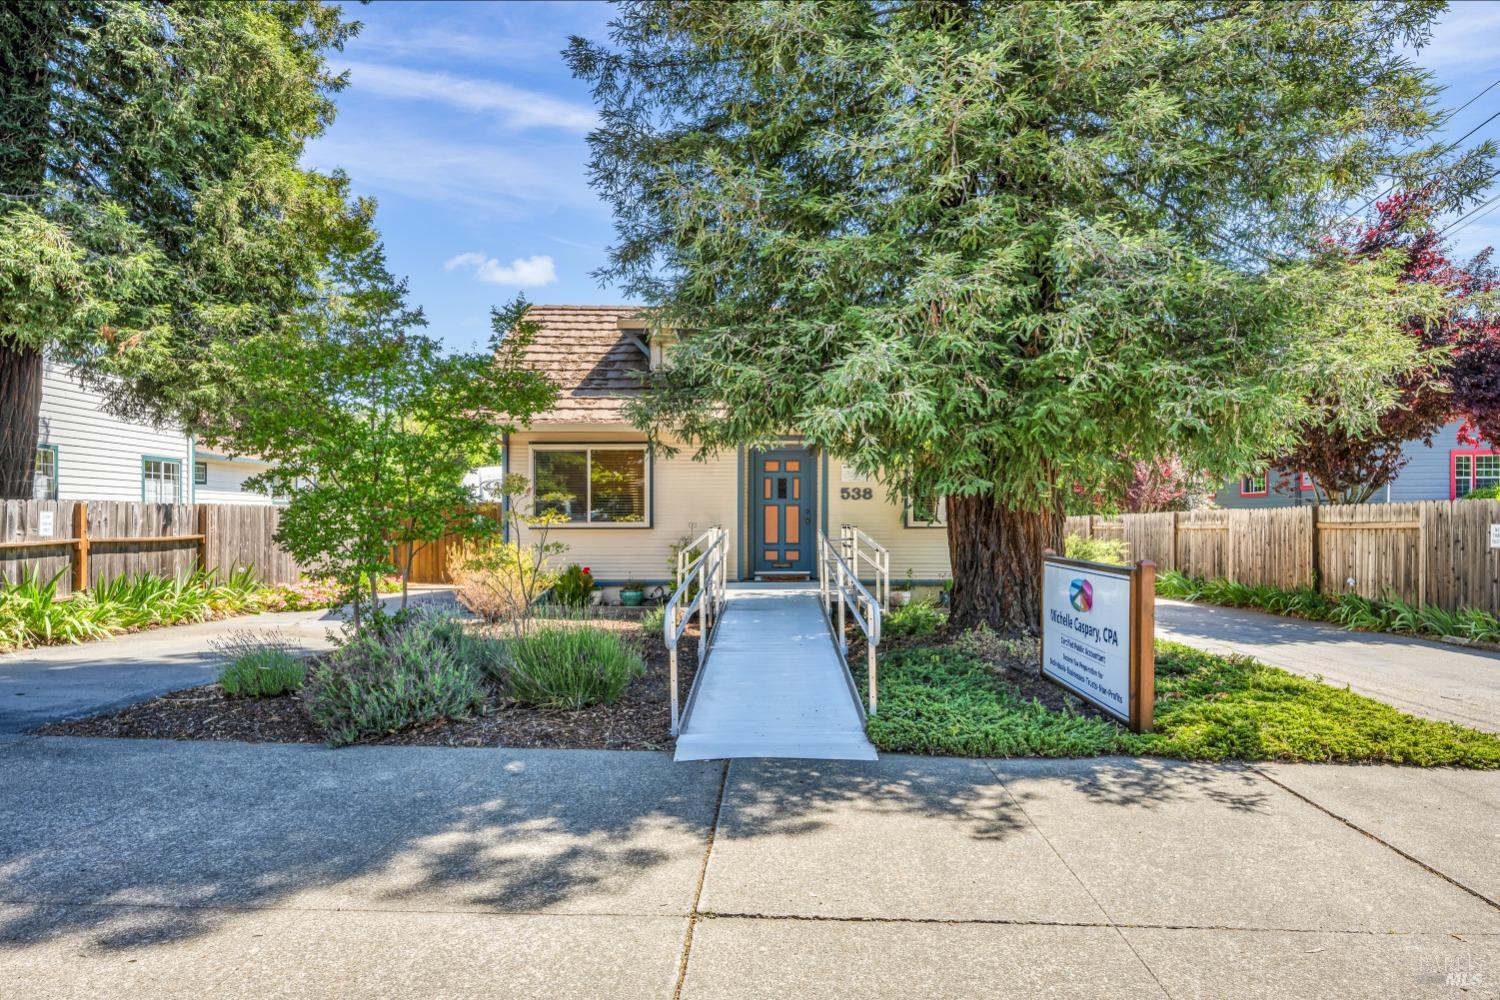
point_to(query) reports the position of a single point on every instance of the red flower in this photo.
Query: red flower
(587, 572)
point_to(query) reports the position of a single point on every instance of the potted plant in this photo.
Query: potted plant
(901, 592)
(632, 594)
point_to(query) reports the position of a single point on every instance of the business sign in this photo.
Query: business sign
(1098, 627)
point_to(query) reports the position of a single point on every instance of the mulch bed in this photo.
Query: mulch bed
(640, 720)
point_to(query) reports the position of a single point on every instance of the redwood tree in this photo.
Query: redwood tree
(1458, 370)
(151, 205)
(980, 249)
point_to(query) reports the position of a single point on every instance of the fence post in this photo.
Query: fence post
(203, 538)
(80, 546)
(1316, 562)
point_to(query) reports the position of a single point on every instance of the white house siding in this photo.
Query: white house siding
(226, 482)
(99, 455)
(686, 498)
(920, 551)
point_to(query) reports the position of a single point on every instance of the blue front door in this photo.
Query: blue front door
(784, 507)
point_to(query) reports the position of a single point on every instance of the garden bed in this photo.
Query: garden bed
(640, 720)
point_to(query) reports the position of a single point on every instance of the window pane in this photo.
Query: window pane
(618, 479)
(162, 481)
(200, 473)
(562, 480)
(1486, 471)
(926, 510)
(44, 482)
(1463, 474)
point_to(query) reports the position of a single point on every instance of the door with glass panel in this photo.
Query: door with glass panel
(784, 506)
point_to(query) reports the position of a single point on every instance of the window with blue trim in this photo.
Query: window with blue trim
(161, 480)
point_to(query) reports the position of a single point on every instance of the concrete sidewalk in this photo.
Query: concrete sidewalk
(66, 682)
(142, 868)
(1430, 679)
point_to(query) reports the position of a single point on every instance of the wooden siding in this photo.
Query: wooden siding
(919, 550)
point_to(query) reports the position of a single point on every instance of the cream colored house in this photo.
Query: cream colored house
(623, 508)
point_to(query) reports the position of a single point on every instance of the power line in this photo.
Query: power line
(1474, 216)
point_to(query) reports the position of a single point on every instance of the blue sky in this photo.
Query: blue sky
(462, 120)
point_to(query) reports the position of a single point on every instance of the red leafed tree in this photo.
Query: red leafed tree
(1464, 382)
(1161, 484)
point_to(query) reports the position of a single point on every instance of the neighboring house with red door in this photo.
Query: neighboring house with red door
(84, 452)
(620, 509)
(1446, 469)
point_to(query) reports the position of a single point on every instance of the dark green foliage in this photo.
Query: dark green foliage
(1208, 707)
(570, 667)
(574, 587)
(913, 620)
(373, 685)
(996, 251)
(1389, 614)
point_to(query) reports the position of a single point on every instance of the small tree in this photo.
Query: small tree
(501, 579)
(370, 429)
(1455, 371)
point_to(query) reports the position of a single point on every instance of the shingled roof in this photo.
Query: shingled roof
(596, 365)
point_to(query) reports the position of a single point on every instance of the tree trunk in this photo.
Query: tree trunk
(20, 418)
(996, 555)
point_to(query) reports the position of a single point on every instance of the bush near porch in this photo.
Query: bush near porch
(976, 695)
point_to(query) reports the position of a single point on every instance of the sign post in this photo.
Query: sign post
(1099, 635)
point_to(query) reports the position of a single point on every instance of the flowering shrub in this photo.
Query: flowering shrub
(574, 587)
(313, 595)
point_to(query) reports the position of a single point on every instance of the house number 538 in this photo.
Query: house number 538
(856, 493)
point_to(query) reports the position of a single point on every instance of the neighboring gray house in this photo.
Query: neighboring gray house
(87, 453)
(1443, 470)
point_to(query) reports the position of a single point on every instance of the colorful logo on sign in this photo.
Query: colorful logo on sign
(1081, 594)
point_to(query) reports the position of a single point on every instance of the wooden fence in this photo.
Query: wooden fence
(1437, 552)
(99, 540)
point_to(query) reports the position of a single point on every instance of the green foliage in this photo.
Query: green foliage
(574, 586)
(914, 620)
(370, 428)
(1390, 614)
(1484, 493)
(995, 250)
(151, 203)
(1208, 707)
(943, 702)
(31, 613)
(1100, 550)
(259, 665)
(375, 684)
(570, 667)
(654, 620)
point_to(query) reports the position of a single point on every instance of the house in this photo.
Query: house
(621, 509)
(1446, 469)
(86, 453)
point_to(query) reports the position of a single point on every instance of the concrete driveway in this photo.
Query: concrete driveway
(66, 682)
(1430, 679)
(143, 868)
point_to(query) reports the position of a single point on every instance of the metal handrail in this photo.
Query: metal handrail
(701, 542)
(709, 571)
(854, 544)
(848, 592)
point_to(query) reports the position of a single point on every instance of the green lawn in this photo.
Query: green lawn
(938, 700)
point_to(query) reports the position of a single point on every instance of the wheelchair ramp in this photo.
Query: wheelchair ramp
(774, 686)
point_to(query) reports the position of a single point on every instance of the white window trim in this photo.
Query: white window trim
(587, 446)
(164, 461)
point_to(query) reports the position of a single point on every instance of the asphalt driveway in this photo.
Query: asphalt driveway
(1426, 678)
(144, 868)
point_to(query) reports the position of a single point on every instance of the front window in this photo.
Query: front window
(44, 478)
(1253, 485)
(200, 473)
(926, 512)
(596, 484)
(1475, 470)
(161, 480)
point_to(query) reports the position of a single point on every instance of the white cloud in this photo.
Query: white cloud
(494, 180)
(1467, 34)
(516, 108)
(523, 272)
